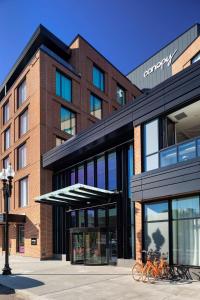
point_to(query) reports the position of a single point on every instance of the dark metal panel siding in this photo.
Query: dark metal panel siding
(158, 76)
(182, 178)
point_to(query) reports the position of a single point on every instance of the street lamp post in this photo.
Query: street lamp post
(6, 177)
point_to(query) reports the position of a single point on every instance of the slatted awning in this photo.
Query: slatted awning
(77, 196)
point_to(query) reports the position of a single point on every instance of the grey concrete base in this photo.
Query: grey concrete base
(125, 263)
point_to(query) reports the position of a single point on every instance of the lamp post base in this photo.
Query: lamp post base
(6, 270)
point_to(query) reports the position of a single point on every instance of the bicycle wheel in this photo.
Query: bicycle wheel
(150, 275)
(137, 271)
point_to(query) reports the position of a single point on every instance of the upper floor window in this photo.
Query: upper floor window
(23, 123)
(98, 78)
(68, 121)
(101, 172)
(6, 162)
(72, 177)
(23, 192)
(7, 139)
(6, 113)
(121, 95)
(81, 176)
(63, 87)
(90, 173)
(21, 93)
(22, 156)
(151, 145)
(196, 58)
(95, 106)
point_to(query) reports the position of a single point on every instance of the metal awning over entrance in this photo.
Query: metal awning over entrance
(78, 196)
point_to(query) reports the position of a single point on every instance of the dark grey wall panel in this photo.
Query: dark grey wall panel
(159, 75)
(182, 178)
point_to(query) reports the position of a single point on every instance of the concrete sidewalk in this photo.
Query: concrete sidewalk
(36, 279)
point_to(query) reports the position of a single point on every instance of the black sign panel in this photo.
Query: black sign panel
(33, 241)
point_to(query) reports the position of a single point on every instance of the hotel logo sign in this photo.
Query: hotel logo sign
(159, 65)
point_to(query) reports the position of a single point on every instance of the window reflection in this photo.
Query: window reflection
(72, 177)
(90, 173)
(81, 174)
(90, 213)
(101, 217)
(81, 218)
(112, 216)
(101, 172)
(112, 171)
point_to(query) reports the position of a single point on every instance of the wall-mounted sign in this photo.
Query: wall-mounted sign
(159, 65)
(33, 241)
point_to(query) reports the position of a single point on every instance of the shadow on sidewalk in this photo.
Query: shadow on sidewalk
(19, 282)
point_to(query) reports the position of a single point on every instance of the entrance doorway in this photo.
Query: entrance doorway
(93, 246)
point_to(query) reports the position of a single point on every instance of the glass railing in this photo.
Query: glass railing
(180, 152)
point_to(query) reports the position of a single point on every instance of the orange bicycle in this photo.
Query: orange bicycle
(155, 267)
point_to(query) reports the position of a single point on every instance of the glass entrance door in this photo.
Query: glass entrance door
(93, 246)
(78, 250)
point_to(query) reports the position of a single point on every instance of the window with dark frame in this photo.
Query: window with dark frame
(6, 162)
(21, 93)
(7, 138)
(23, 123)
(68, 121)
(121, 95)
(95, 106)
(98, 78)
(63, 86)
(6, 112)
(21, 156)
(23, 192)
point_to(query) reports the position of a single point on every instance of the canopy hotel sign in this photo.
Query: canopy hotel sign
(159, 65)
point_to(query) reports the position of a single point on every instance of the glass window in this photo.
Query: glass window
(98, 78)
(130, 168)
(101, 217)
(156, 234)
(151, 145)
(7, 139)
(112, 212)
(63, 87)
(187, 151)
(186, 230)
(81, 174)
(196, 58)
(156, 211)
(72, 177)
(23, 123)
(112, 171)
(186, 207)
(81, 218)
(168, 157)
(90, 213)
(121, 95)
(6, 113)
(90, 173)
(73, 219)
(21, 93)
(95, 106)
(68, 121)
(22, 156)
(59, 141)
(23, 192)
(101, 172)
(6, 162)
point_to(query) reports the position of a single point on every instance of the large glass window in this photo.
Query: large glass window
(23, 192)
(6, 113)
(101, 217)
(156, 234)
(186, 230)
(130, 168)
(90, 213)
(112, 171)
(112, 213)
(63, 87)
(21, 93)
(81, 174)
(98, 78)
(68, 121)
(90, 173)
(151, 145)
(187, 151)
(101, 172)
(22, 156)
(81, 218)
(121, 95)
(7, 139)
(72, 177)
(73, 219)
(6, 162)
(95, 106)
(23, 123)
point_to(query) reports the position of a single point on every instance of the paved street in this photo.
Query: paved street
(34, 279)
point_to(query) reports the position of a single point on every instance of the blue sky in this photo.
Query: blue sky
(125, 31)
